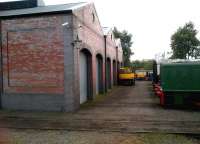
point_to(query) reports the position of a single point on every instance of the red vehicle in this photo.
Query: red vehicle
(159, 92)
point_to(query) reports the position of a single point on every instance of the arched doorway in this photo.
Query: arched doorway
(108, 73)
(114, 72)
(85, 73)
(118, 67)
(99, 74)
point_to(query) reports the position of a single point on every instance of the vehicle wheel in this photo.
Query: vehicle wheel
(134, 82)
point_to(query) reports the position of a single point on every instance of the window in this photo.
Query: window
(93, 17)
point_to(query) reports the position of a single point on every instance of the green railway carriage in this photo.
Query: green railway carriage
(180, 82)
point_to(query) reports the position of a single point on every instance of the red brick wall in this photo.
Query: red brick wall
(120, 51)
(111, 53)
(111, 46)
(91, 35)
(33, 56)
(120, 54)
(90, 31)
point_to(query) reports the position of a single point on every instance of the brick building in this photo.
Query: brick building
(54, 58)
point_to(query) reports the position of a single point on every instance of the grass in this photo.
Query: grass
(98, 98)
(52, 137)
(156, 138)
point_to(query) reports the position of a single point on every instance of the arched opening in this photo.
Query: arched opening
(85, 73)
(114, 72)
(99, 74)
(108, 73)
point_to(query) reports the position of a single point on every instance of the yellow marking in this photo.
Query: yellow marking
(126, 76)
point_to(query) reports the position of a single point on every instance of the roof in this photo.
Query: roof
(178, 61)
(43, 9)
(106, 30)
(17, 4)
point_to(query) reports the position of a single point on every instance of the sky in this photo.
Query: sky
(151, 22)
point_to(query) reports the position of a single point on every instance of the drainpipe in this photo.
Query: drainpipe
(105, 46)
(117, 56)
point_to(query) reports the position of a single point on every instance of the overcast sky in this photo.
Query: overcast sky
(151, 22)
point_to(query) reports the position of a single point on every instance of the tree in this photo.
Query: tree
(144, 64)
(197, 53)
(184, 42)
(126, 41)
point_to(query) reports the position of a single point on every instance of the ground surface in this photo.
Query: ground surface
(66, 137)
(123, 110)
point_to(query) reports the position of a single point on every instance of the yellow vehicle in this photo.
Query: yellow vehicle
(140, 74)
(126, 76)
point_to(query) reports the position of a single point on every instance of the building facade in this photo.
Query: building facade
(54, 58)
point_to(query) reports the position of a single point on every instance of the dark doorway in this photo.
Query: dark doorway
(108, 73)
(99, 74)
(114, 72)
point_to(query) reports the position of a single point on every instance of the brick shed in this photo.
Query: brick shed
(54, 58)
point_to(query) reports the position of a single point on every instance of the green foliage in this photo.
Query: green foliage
(159, 138)
(126, 41)
(145, 64)
(184, 42)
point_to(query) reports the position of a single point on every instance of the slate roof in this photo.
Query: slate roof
(43, 10)
(17, 4)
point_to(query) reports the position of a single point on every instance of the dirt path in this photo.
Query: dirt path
(125, 109)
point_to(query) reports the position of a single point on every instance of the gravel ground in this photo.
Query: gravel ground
(124, 110)
(66, 137)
